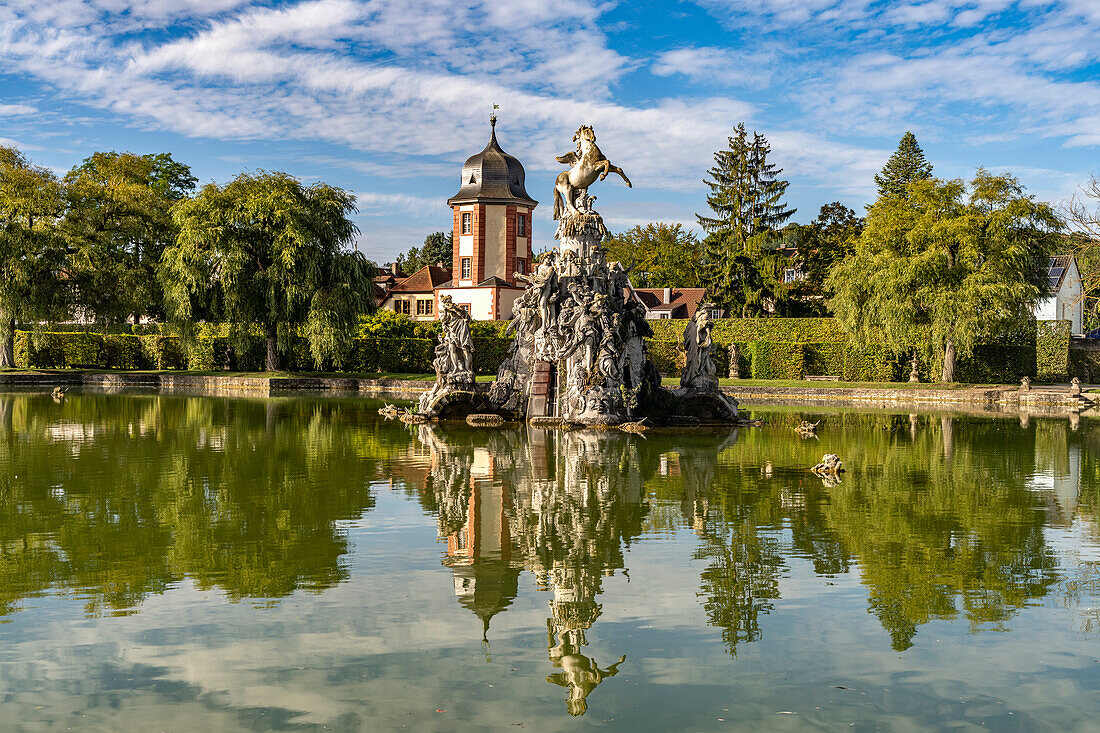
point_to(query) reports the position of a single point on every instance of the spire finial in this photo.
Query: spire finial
(493, 117)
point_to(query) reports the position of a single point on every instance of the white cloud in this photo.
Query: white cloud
(710, 65)
(373, 203)
(13, 110)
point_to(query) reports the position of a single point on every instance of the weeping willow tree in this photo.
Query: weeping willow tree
(267, 250)
(32, 252)
(945, 267)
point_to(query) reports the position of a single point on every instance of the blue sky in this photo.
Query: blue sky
(386, 98)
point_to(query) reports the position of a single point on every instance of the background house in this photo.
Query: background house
(1066, 301)
(663, 303)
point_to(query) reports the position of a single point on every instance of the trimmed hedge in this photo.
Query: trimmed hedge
(769, 348)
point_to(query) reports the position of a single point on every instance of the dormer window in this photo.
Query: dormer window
(467, 223)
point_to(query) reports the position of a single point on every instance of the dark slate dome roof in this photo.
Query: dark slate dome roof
(492, 176)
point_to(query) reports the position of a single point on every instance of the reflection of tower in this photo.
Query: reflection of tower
(479, 551)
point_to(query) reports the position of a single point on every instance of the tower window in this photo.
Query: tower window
(521, 266)
(467, 223)
(521, 225)
(465, 268)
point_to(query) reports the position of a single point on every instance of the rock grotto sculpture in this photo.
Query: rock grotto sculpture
(579, 352)
(578, 355)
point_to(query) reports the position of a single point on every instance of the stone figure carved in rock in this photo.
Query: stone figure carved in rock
(545, 278)
(454, 355)
(585, 164)
(455, 352)
(698, 347)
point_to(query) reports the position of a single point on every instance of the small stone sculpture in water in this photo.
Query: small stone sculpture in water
(830, 465)
(807, 429)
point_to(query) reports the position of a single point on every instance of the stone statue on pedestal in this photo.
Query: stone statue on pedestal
(698, 348)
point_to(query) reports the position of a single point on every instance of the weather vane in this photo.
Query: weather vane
(493, 115)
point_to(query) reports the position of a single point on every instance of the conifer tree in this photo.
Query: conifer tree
(746, 198)
(906, 165)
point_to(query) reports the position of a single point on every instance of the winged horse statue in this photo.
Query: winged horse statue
(585, 164)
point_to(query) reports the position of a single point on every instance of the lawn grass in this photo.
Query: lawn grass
(803, 383)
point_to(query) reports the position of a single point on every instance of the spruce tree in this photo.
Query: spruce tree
(746, 198)
(906, 165)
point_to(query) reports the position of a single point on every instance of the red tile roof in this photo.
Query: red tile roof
(424, 280)
(688, 298)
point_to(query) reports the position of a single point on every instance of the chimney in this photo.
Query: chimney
(393, 268)
(666, 297)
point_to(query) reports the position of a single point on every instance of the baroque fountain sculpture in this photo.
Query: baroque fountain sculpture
(579, 353)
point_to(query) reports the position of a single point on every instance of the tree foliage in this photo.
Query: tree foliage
(945, 267)
(663, 255)
(1082, 217)
(819, 246)
(438, 247)
(905, 166)
(32, 252)
(118, 221)
(276, 254)
(746, 200)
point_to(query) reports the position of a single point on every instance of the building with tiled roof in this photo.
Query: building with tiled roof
(492, 233)
(1065, 301)
(670, 302)
(415, 296)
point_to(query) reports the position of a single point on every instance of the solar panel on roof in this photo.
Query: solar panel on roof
(1056, 273)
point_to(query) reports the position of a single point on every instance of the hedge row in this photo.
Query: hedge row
(217, 353)
(774, 351)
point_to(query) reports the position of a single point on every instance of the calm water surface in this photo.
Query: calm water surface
(197, 563)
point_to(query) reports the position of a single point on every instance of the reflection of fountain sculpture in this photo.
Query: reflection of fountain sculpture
(562, 506)
(579, 673)
(579, 351)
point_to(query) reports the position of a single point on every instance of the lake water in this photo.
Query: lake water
(190, 563)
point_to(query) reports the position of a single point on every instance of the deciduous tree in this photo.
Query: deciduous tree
(438, 247)
(663, 255)
(117, 223)
(32, 252)
(276, 254)
(945, 267)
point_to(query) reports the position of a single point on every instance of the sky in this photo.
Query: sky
(387, 98)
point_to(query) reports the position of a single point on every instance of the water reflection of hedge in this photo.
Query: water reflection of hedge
(117, 499)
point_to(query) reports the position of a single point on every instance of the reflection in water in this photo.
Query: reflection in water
(559, 504)
(239, 495)
(965, 521)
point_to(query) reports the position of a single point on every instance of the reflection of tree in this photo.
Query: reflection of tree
(124, 496)
(740, 581)
(947, 526)
(938, 515)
